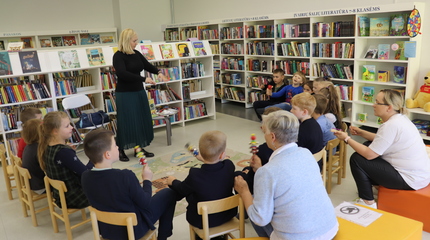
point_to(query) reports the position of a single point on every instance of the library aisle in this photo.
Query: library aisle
(13, 226)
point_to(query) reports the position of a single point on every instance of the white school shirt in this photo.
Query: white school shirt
(399, 143)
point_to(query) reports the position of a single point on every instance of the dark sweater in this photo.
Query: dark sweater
(128, 68)
(30, 161)
(210, 182)
(310, 135)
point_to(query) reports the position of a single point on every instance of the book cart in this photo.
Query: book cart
(318, 43)
(57, 73)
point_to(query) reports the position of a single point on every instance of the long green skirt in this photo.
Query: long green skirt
(134, 120)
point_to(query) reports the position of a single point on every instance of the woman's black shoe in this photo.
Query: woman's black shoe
(123, 157)
(147, 154)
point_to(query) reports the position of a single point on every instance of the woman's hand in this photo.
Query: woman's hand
(149, 80)
(355, 130)
(240, 185)
(146, 173)
(170, 180)
(162, 77)
(255, 162)
(341, 135)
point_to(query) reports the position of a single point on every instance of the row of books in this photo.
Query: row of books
(195, 85)
(171, 73)
(260, 31)
(257, 80)
(192, 69)
(232, 63)
(194, 109)
(170, 50)
(231, 48)
(214, 48)
(383, 50)
(334, 29)
(232, 78)
(257, 96)
(294, 48)
(65, 87)
(110, 103)
(163, 94)
(260, 48)
(333, 70)
(108, 79)
(259, 65)
(206, 34)
(186, 33)
(231, 33)
(333, 50)
(398, 76)
(217, 75)
(395, 25)
(171, 35)
(344, 91)
(292, 66)
(21, 79)
(290, 30)
(233, 93)
(24, 92)
(10, 116)
(218, 92)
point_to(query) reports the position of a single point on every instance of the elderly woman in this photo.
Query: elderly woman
(396, 157)
(288, 191)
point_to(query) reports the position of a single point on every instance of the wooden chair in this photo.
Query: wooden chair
(8, 172)
(253, 238)
(120, 219)
(334, 162)
(65, 212)
(26, 195)
(216, 206)
(345, 129)
(322, 155)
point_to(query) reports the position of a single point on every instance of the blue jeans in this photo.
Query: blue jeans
(285, 106)
(263, 231)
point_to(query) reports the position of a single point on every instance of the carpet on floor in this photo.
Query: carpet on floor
(177, 164)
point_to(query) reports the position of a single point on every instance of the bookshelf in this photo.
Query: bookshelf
(318, 35)
(60, 39)
(190, 88)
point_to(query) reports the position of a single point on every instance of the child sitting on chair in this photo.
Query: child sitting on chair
(118, 190)
(213, 181)
(27, 114)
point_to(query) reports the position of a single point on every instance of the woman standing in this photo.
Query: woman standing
(396, 157)
(133, 112)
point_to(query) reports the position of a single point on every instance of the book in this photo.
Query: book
(29, 61)
(5, 65)
(379, 26)
(379, 120)
(95, 38)
(106, 39)
(166, 51)
(399, 48)
(85, 39)
(199, 49)
(2, 45)
(183, 49)
(45, 42)
(57, 41)
(362, 117)
(147, 52)
(372, 52)
(95, 57)
(383, 51)
(69, 59)
(15, 46)
(368, 72)
(363, 26)
(399, 74)
(28, 42)
(383, 76)
(398, 24)
(69, 40)
(367, 94)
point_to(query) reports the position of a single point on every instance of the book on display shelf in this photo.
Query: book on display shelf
(183, 49)
(384, 51)
(69, 40)
(367, 94)
(166, 51)
(399, 74)
(368, 72)
(372, 52)
(95, 57)
(45, 42)
(379, 26)
(383, 76)
(69, 59)
(199, 49)
(2, 46)
(398, 24)
(15, 46)
(5, 65)
(57, 41)
(28, 42)
(147, 51)
(107, 39)
(29, 61)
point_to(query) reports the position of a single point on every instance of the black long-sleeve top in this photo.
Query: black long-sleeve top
(128, 68)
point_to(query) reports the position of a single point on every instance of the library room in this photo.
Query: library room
(301, 110)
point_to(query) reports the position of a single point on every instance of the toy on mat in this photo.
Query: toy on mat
(193, 150)
(137, 149)
(142, 158)
(253, 144)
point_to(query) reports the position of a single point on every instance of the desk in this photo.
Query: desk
(166, 119)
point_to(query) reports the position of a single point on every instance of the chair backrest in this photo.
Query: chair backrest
(114, 218)
(331, 146)
(16, 160)
(75, 101)
(322, 155)
(60, 186)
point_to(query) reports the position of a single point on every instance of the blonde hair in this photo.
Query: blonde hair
(395, 99)
(284, 125)
(269, 110)
(51, 122)
(30, 131)
(124, 41)
(212, 144)
(302, 75)
(333, 105)
(304, 101)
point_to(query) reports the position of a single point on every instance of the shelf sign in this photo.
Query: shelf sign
(78, 31)
(245, 19)
(337, 12)
(12, 34)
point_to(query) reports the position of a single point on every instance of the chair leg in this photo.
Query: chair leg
(33, 214)
(67, 226)
(192, 233)
(84, 214)
(329, 178)
(8, 186)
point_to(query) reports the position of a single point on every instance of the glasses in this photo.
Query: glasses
(384, 104)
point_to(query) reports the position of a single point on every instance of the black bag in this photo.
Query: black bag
(92, 119)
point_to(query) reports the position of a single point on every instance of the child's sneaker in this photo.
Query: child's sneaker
(362, 202)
